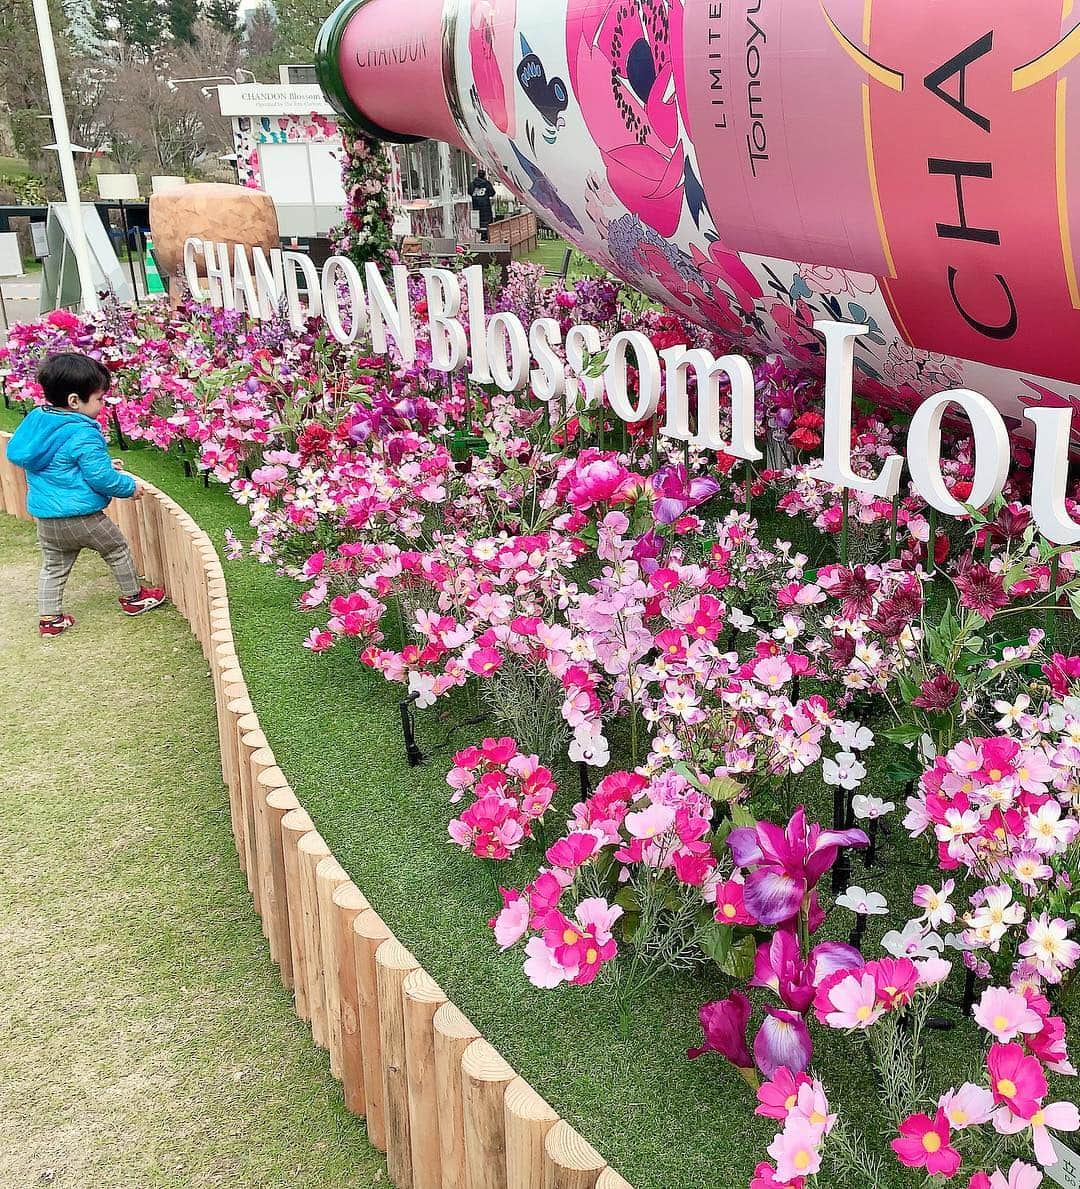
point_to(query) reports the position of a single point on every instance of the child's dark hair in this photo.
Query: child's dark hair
(69, 372)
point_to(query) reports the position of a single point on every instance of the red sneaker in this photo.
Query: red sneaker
(55, 625)
(147, 599)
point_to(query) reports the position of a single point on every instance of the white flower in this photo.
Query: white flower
(1011, 712)
(867, 904)
(851, 736)
(869, 809)
(740, 621)
(845, 771)
(911, 942)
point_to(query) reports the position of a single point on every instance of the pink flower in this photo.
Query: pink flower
(1021, 1176)
(650, 822)
(1006, 1015)
(542, 968)
(1061, 1116)
(796, 1150)
(723, 1023)
(895, 979)
(512, 923)
(319, 641)
(484, 661)
(925, 1143)
(778, 1097)
(968, 1106)
(730, 907)
(784, 866)
(1016, 1080)
(765, 1178)
(850, 1003)
(570, 852)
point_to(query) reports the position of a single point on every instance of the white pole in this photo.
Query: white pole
(64, 154)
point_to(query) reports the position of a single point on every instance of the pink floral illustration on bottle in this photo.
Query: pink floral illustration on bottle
(491, 52)
(624, 77)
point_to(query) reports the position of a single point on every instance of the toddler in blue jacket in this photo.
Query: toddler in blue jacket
(71, 480)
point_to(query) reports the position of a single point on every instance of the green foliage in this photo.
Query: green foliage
(299, 21)
(222, 13)
(29, 191)
(182, 16)
(139, 23)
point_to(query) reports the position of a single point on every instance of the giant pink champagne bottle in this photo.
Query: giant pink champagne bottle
(759, 164)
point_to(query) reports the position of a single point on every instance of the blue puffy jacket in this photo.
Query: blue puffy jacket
(68, 468)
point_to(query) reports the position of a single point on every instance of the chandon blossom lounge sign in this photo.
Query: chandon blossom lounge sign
(502, 351)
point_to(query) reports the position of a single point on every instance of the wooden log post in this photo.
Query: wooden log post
(280, 802)
(349, 903)
(236, 708)
(369, 933)
(148, 510)
(528, 1120)
(249, 738)
(295, 826)
(252, 740)
(453, 1035)
(312, 850)
(329, 876)
(570, 1162)
(421, 998)
(392, 963)
(268, 781)
(20, 493)
(610, 1179)
(484, 1078)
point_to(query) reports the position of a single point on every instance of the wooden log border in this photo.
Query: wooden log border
(439, 1099)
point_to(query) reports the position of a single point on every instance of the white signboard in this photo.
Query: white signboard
(61, 284)
(41, 240)
(1067, 1170)
(264, 99)
(10, 256)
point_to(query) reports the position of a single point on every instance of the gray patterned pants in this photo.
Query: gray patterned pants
(62, 538)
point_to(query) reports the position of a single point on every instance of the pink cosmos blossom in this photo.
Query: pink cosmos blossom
(1006, 1014)
(512, 923)
(851, 1002)
(1016, 1080)
(570, 852)
(1060, 1116)
(797, 1149)
(967, 1106)
(730, 907)
(778, 1096)
(1021, 1176)
(926, 1143)
(765, 1178)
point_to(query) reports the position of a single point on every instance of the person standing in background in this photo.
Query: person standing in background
(481, 191)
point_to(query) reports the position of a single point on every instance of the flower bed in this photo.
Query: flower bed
(616, 609)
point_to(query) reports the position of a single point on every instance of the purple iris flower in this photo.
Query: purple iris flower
(783, 866)
(677, 493)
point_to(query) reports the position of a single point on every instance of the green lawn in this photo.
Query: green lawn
(551, 253)
(664, 1122)
(146, 1038)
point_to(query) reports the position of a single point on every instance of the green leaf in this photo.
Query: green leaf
(740, 961)
(741, 815)
(723, 788)
(904, 733)
(715, 941)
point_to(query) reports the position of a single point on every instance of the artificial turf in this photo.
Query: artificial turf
(664, 1122)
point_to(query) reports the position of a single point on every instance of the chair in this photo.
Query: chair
(560, 274)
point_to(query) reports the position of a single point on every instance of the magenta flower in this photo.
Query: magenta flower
(937, 693)
(723, 1023)
(925, 1143)
(783, 866)
(677, 493)
(783, 1041)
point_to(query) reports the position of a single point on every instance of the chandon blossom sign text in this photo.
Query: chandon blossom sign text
(502, 351)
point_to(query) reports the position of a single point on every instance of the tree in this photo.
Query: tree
(299, 22)
(182, 15)
(137, 24)
(223, 14)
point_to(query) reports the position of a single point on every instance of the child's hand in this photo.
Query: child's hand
(117, 465)
(139, 492)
